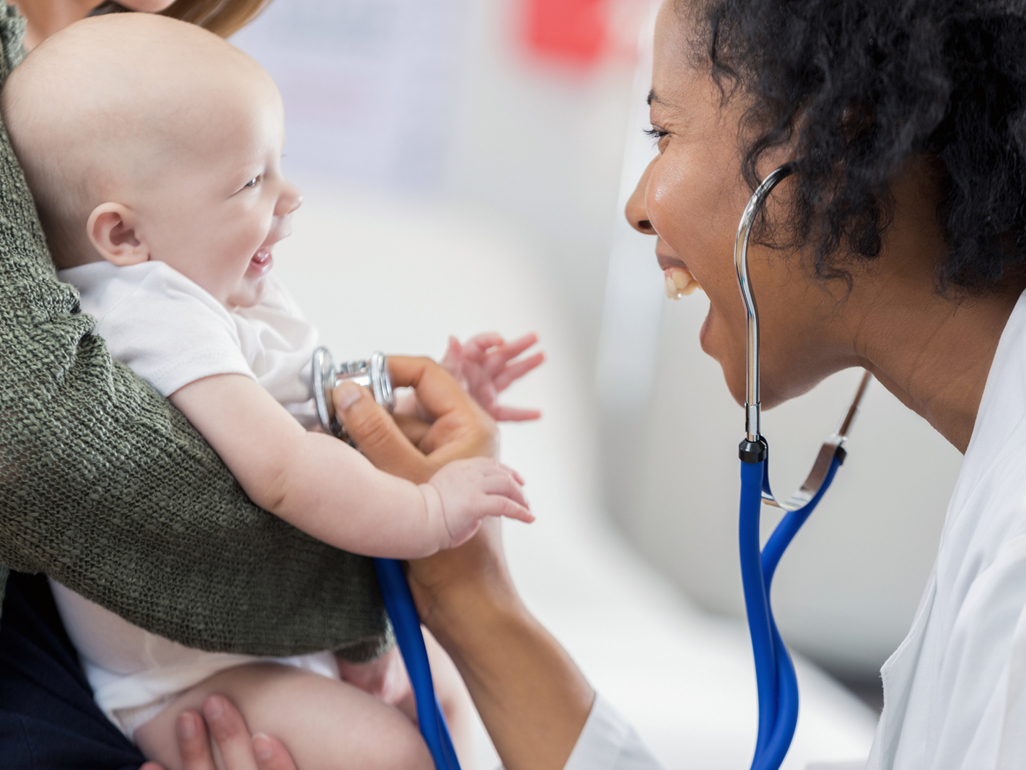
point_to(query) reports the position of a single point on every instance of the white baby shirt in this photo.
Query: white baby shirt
(171, 332)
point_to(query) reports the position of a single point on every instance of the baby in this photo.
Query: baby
(153, 150)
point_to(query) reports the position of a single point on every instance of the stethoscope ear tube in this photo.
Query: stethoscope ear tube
(775, 676)
(753, 398)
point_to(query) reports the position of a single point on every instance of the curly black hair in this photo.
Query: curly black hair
(861, 87)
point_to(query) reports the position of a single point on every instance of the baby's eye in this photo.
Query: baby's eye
(252, 182)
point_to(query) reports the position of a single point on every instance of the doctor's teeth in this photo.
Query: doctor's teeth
(681, 278)
(679, 283)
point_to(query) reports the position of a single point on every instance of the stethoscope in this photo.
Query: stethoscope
(774, 671)
(775, 675)
(395, 591)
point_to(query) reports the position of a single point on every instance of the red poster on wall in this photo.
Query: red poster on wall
(573, 32)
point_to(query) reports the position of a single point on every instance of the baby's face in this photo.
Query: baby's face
(215, 209)
(145, 138)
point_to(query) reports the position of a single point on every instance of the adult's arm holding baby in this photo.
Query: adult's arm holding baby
(108, 488)
(327, 489)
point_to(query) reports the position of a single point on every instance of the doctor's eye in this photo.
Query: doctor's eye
(656, 133)
(252, 182)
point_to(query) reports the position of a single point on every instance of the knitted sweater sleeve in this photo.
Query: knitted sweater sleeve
(108, 489)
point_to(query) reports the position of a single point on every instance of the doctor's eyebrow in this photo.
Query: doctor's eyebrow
(653, 98)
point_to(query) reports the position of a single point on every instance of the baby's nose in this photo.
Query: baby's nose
(289, 200)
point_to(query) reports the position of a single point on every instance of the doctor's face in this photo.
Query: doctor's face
(691, 198)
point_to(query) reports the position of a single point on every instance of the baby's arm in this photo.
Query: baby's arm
(329, 490)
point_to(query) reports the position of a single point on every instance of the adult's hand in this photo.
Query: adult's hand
(531, 697)
(406, 446)
(227, 730)
(410, 447)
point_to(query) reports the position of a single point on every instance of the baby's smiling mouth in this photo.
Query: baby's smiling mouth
(262, 261)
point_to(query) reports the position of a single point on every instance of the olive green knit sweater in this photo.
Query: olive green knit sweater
(108, 489)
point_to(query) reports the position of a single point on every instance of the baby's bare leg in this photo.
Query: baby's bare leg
(386, 679)
(325, 724)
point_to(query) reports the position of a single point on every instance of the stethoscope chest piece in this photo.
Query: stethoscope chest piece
(371, 373)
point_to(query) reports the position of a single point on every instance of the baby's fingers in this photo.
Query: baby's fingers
(502, 483)
(451, 360)
(513, 349)
(504, 378)
(500, 505)
(513, 473)
(513, 414)
(498, 356)
(476, 347)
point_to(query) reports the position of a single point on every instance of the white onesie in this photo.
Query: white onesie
(171, 332)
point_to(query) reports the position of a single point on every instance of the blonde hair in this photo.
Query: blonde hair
(222, 17)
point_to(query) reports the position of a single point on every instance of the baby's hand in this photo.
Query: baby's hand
(484, 366)
(471, 489)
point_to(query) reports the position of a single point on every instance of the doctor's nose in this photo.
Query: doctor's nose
(636, 212)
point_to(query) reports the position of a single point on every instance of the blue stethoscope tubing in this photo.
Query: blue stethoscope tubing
(395, 592)
(775, 675)
(774, 671)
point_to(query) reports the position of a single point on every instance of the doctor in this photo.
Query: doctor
(899, 245)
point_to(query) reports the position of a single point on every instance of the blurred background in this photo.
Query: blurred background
(466, 164)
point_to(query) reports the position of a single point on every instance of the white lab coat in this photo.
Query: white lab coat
(955, 690)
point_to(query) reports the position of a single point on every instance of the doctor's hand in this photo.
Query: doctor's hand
(407, 446)
(227, 730)
(532, 698)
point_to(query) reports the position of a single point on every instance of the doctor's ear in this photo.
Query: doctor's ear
(112, 232)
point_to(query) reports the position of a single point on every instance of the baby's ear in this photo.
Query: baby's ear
(112, 231)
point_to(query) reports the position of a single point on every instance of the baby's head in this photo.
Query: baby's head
(147, 138)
